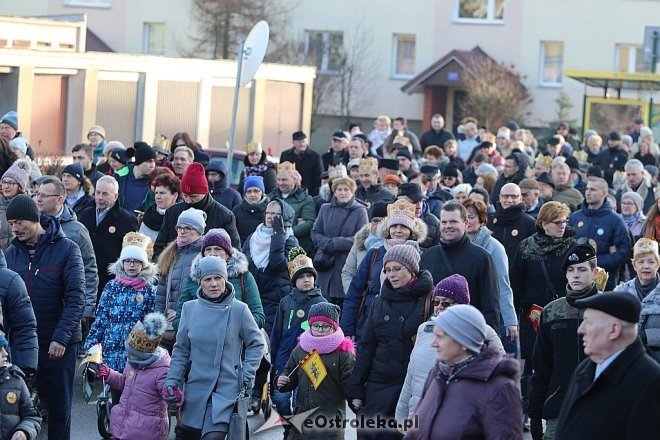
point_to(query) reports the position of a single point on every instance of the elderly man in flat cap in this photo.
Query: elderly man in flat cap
(615, 394)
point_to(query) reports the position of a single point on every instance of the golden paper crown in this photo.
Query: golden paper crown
(645, 246)
(546, 161)
(286, 168)
(139, 240)
(337, 172)
(581, 156)
(299, 263)
(139, 340)
(401, 207)
(368, 165)
(254, 147)
(619, 175)
(601, 279)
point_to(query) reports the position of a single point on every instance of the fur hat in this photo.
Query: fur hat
(19, 172)
(300, 263)
(146, 335)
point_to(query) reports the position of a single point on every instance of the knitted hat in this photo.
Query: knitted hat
(578, 254)
(636, 198)
(75, 170)
(134, 253)
(195, 218)
(464, 324)
(122, 156)
(140, 240)
(404, 152)
(96, 129)
(19, 173)
(450, 171)
(454, 287)
(194, 180)
(212, 266)
(652, 170)
(392, 179)
(254, 182)
(143, 152)
(22, 207)
(595, 171)
(405, 255)
(300, 263)
(485, 168)
(646, 246)
(18, 143)
(324, 312)
(389, 164)
(112, 145)
(401, 212)
(3, 341)
(614, 136)
(146, 335)
(10, 118)
(217, 237)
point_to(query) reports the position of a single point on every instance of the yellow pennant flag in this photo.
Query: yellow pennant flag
(314, 367)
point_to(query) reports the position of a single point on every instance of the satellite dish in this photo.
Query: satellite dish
(254, 50)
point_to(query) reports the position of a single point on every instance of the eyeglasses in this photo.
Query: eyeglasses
(132, 262)
(559, 223)
(9, 183)
(42, 196)
(185, 229)
(509, 196)
(445, 304)
(321, 327)
(376, 220)
(393, 269)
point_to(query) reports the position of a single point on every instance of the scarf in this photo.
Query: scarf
(574, 295)
(322, 344)
(643, 291)
(219, 299)
(255, 170)
(135, 283)
(481, 237)
(450, 371)
(138, 359)
(630, 221)
(539, 245)
(153, 218)
(260, 246)
(373, 241)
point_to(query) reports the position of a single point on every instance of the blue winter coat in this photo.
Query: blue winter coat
(607, 228)
(220, 190)
(132, 191)
(55, 279)
(18, 318)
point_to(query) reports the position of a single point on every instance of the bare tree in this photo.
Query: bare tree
(495, 93)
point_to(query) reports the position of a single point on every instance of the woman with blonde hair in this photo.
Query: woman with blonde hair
(486, 181)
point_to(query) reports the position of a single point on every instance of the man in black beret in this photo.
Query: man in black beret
(387, 167)
(615, 394)
(308, 162)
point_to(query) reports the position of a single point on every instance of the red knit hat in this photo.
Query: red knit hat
(194, 180)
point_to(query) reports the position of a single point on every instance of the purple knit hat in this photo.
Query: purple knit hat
(404, 254)
(455, 288)
(217, 237)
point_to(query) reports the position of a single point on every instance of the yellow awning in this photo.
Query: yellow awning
(617, 80)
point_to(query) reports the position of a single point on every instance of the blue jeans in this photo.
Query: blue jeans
(283, 403)
(55, 388)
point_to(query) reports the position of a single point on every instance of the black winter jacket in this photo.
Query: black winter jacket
(248, 217)
(511, 226)
(55, 279)
(18, 412)
(309, 166)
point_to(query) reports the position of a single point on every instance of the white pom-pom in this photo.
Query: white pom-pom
(154, 325)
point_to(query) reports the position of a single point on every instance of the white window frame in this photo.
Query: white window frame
(489, 17)
(325, 60)
(634, 50)
(100, 4)
(146, 33)
(542, 81)
(396, 38)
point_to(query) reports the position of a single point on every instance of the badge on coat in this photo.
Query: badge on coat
(131, 374)
(514, 232)
(600, 231)
(495, 220)
(11, 397)
(112, 229)
(139, 297)
(580, 224)
(300, 313)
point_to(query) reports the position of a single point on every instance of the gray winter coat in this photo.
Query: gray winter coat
(18, 412)
(5, 230)
(214, 357)
(649, 320)
(356, 255)
(77, 232)
(350, 217)
(174, 281)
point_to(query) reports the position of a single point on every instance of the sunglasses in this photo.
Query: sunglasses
(444, 303)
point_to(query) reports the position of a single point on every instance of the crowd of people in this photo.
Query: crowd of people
(477, 283)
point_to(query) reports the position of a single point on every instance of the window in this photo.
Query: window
(552, 63)
(479, 11)
(88, 3)
(629, 59)
(325, 50)
(154, 39)
(403, 59)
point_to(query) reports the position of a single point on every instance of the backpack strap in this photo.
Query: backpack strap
(365, 292)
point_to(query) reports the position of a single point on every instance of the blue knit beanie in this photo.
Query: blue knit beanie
(254, 182)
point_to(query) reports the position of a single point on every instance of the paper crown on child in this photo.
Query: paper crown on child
(146, 335)
(546, 161)
(337, 172)
(368, 165)
(254, 147)
(581, 156)
(139, 240)
(286, 168)
(300, 263)
(401, 207)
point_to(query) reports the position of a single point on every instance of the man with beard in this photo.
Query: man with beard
(510, 225)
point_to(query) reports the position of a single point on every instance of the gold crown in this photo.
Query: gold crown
(139, 340)
(645, 246)
(546, 161)
(298, 263)
(254, 147)
(368, 165)
(286, 168)
(619, 175)
(401, 207)
(601, 279)
(337, 172)
(581, 156)
(139, 240)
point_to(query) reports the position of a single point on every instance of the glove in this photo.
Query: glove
(278, 224)
(172, 395)
(103, 371)
(536, 429)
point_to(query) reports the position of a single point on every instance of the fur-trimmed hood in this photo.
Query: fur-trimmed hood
(361, 235)
(236, 265)
(148, 274)
(418, 235)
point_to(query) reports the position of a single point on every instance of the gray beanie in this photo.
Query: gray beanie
(632, 195)
(464, 324)
(195, 218)
(212, 266)
(19, 173)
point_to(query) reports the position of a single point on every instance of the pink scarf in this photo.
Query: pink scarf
(326, 344)
(133, 283)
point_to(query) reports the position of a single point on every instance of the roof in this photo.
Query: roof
(95, 44)
(616, 80)
(463, 58)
